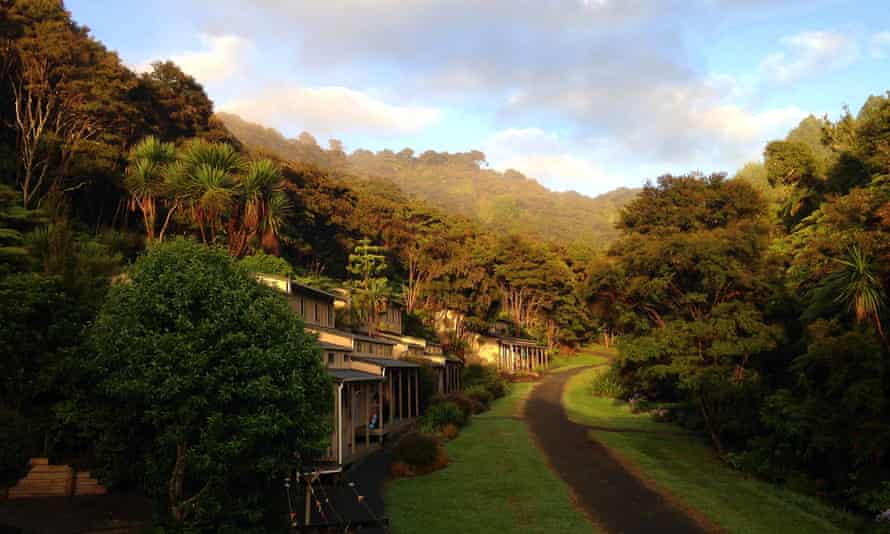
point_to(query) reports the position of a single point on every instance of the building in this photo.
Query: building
(496, 348)
(375, 393)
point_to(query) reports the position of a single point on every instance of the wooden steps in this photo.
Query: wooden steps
(45, 480)
(86, 485)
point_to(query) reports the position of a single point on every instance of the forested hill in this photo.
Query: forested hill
(458, 183)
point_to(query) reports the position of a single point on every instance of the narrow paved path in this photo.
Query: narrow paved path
(603, 488)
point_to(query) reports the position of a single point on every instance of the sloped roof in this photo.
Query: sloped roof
(351, 375)
(385, 362)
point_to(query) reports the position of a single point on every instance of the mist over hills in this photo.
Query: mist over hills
(457, 183)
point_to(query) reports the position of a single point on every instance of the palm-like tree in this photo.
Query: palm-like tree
(261, 207)
(205, 180)
(147, 180)
(859, 287)
(218, 187)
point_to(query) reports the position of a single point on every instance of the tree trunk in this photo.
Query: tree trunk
(715, 438)
(175, 487)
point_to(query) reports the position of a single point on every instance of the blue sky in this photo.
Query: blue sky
(587, 95)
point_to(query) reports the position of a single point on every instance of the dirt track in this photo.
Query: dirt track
(609, 494)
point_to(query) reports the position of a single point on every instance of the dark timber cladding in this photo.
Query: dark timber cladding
(518, 354)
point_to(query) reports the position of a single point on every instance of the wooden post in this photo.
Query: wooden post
(367, 414)
(351, 397)
(380, 408)
(401, 396)
(392, 401)
(417, 393)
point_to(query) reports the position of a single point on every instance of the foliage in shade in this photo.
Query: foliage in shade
(205, 385)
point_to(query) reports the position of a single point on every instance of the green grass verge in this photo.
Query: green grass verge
(582, 407)
(687, 468)
(497, 481)
(590, 355)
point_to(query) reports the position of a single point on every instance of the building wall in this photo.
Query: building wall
(369, 348)
(314, 310)
(337, 359)
(390, 321)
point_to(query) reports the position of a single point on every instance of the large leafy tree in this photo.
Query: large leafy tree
(204, 386)
(694, 263)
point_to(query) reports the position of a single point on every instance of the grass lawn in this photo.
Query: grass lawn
(497, 481)
(582, 407)
(686, 467)
(590, 355)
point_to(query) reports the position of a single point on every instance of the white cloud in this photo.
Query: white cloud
(220, 58)
(549, 159)
(331, 111)
(880, 43)
(809, 53)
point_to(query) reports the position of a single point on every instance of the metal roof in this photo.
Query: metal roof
(351, 375)
(372, 339)
(310, 289)
(385, 362)
(331, 346)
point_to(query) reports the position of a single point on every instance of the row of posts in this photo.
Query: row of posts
(513, 357)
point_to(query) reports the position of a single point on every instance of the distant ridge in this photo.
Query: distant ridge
(457, 183)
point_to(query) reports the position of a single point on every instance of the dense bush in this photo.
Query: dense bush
(449, 432)
(444, 413)
(204, 387)
(418, 454)
(467, 405)
(607, 384)
(480, 394)
(18, 441)
(481, 375)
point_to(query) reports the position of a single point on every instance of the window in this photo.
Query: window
(331, 358)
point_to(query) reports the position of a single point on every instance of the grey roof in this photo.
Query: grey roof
(385, 362)
(405, 340)
(351, 375)
(310, 289)
(374, 339)
(333, 347)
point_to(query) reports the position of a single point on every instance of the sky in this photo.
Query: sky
(583, 95)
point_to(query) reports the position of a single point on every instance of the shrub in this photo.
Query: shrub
(607, 384)
(467, 405)
(638, 404)
(187, 323)
(418, 454)
(480, 375)
(445, 413)
(17, 443)
(480, 394)
(449, 431)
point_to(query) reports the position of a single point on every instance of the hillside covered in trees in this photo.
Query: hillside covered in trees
(753, 310)
(457, 183)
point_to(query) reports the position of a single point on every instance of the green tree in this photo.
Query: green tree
(204, 386)
(693, 260)
(148, 182)
(370, 287)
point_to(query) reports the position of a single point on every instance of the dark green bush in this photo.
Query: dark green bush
(444, 413)
(18, 441)
(480, 375)
(416, 450)
(480, 394)
(607, 384)
(467, 405)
